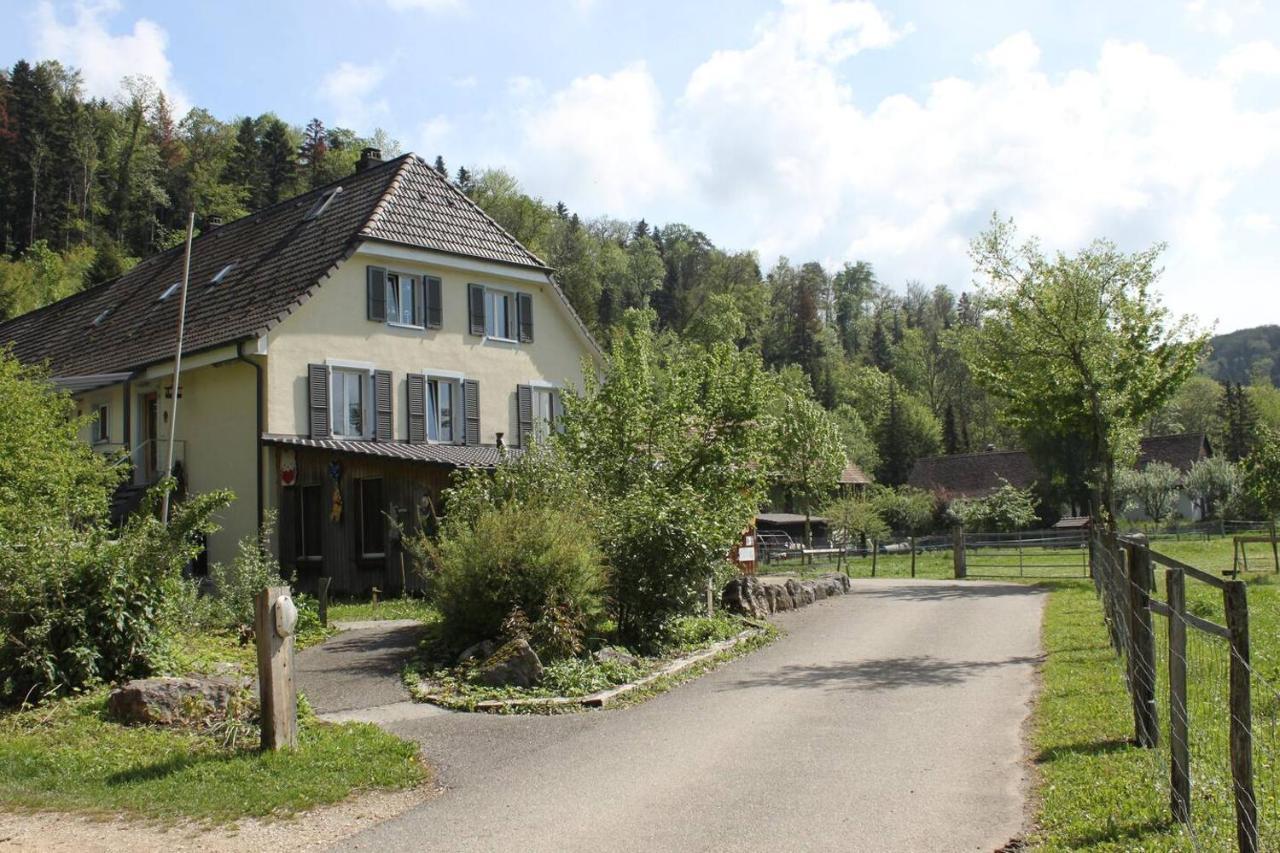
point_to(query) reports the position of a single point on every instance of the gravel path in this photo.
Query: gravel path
(889, 719)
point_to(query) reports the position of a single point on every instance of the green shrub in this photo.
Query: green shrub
(230, 604)
(535, 559)
(91, 608)
(579, 677)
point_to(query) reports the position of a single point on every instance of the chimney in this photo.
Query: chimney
(212, 222)
(368, 157)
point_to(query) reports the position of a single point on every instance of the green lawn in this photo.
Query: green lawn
(67, 756)
(390, 608)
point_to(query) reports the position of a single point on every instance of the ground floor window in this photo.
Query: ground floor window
(100, 432)
(546, 412)
(307, 529)
(372, 523)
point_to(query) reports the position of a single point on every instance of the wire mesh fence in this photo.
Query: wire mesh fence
(1208, 716)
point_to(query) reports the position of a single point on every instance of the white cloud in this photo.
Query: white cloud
(1220, 17)
(103, 58)
(769, 149)
(468, 81)
(601, 137)
(351, 91)
(1256, 57)
(522, 86)
(433, 134)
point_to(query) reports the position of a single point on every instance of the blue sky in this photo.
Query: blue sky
(816, 129)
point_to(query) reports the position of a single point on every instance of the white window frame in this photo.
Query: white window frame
(459, 426)
(365, 369)
(513, 316)
(417, 288)
(541, 386)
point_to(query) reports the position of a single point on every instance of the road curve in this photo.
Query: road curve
(889, 719)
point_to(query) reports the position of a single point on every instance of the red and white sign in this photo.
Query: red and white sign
(288, 467)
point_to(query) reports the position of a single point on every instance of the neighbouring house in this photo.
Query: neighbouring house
(345, 351)
(977, 475)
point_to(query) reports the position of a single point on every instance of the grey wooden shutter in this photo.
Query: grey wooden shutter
(376, 292)
(435, 310)
(318, 400)
(471, 406)
(524, 414)
(417, 384)
(419, 301)
(524, 308)
(382, 423)
(475, 308)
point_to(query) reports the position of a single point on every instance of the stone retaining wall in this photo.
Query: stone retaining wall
(749, 596)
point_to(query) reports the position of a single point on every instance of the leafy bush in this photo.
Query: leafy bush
(579, 677)
(90, 608)
(693, 632)
(539, 560)
(908, 511)
(1005, 510)
(235, 586)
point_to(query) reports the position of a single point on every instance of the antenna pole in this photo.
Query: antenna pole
(177, 364)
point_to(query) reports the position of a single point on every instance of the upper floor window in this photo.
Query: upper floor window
(500, 314)
(442, 406)
(349, 395)
(402, 299)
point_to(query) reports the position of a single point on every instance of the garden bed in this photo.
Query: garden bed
(584, 683)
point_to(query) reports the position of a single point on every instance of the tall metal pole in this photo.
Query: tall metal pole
(177, 363)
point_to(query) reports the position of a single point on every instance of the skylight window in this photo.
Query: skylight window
(322, 204)
(97, 321)
(169, 291)
(222, 273)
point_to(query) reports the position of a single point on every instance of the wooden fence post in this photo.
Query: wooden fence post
(957, 553)
(323, 605)
(1241, 705)
(275, 618)
(1142, 644)
(1179, 752)
(911, 540)
(875, 553)
(1275, 548)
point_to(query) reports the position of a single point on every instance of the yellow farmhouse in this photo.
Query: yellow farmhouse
(345, 351)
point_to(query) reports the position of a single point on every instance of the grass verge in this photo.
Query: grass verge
(391, 608)
(67, 756)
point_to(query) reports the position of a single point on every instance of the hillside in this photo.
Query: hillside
(1241, 355)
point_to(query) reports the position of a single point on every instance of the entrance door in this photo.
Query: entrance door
(150, 435)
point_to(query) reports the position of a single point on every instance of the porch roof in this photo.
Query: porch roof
(453, 455)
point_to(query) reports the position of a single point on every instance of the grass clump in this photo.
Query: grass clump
(68, 756)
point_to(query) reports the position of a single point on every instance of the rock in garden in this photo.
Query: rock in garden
(514, 665)
(809, 590)
(482, 650)
(782, 599)
(799, 595)
(745, 596)
(171, 700)
(616, 655)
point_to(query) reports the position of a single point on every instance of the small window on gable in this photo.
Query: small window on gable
(169, 291)
(500, 314)
(221, 274)
(322, 204)
(404, 299)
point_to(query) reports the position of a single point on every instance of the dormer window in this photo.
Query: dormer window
(221, 274)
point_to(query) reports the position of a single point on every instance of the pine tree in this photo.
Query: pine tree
(279, 162)
(881, 353)
(244, 167)
(464, 180)
(950, 439)
(312, 152)
(1240, 422)
(440, 167)
(895, 452)
(107, 264)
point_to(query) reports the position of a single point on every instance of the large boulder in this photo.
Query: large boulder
(616, 655)
(833, 585)
(746, 596)
(514, 665)
(481, 650)
(166, 701)
(801, 593)
(782, 599)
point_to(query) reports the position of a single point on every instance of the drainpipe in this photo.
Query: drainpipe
(240, 356)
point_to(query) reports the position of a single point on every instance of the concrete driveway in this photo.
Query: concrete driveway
(889, 719)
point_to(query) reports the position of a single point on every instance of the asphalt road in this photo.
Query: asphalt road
(889, 719)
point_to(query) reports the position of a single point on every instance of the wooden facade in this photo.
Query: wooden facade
(355, 543)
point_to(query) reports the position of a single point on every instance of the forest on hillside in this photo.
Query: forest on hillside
(90, 186)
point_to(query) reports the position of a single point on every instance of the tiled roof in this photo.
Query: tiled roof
(424, 209)
(975, 475)
(1180, 451)
(454, 455)
(276, 257)
(852, 475)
